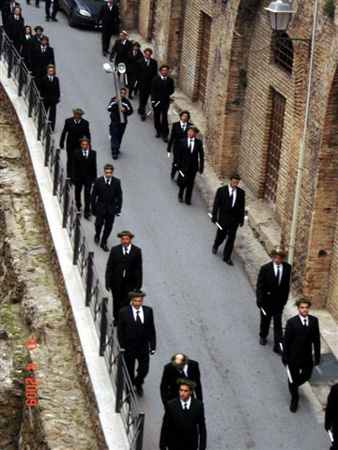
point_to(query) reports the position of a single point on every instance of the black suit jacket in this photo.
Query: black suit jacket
(331, 413)
(84, 169)
(14, 29)
(25, 49)
(106, 199)
(161, 90)
(176, 135)
(298, 341)
(121, 51)
(110, 19)
(39, 60)
(268, 293)
(130, 334)
(169, 388)
(145, 73)
(189, 163)
(132, 61)
(127, 268)
(49, 90)
(223, 212)
(183, 430)
(74, 132)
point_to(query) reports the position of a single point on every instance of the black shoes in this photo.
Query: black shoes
(158, 135)
(143, 117)
(277, 350)
(228, 261)
(293, 406)
(104, 247)
(115, 155)
(96, 239)
(188, 202)
(87, 216)
(262, 341)
(104, 54)
(54, 19)
(139, 390)
(165, 139)
(214, 249)
(180, 199)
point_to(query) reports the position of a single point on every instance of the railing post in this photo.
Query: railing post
(139, 438)
(40, 120)
(10, 59)
(103, 325)
(20, 77)
(89, 280)
(77, 237)
(56, 171)
(31, 97)
(47, 144)
(66, 203)
(119, 381)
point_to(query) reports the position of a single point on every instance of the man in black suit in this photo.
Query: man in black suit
(228, 211)
(190, 160)
(116, 127)
(272, 292)
(36, 39)
(123, 271)
(162, 87)
(74, 129)
(120, 49)
(49, 15)
(7, 10)
(136, 334)
(133, 56)
(14, 27)
(301, 332)
(180, 367)
(84, 174)
(331, 415)
(50, 92)
(110, 17)
(183, 426)
(41, 56)
(106, 204)
(179, 131)
(146, 71)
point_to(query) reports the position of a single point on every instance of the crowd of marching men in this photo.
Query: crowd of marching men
(181, 390)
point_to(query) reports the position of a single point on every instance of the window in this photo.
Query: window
(282, 52)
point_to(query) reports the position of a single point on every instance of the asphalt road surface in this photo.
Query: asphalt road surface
(202, 307)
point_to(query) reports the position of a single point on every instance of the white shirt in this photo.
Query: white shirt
(188, 403)
(234, 194)
(163, 78)
(107, 179)
(128, 249)
(135, 313)
(275, 268)
(304, 319)
(191, 144)
(183, 125)
(50, 78)
(85, 153)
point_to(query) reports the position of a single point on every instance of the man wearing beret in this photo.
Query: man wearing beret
(84, 174)
(183, 426)
(136, 334)
(123, 271)
(180, 367)
(228, 211)
(331, 415)
(179, 131)
(272, 292)
(106, 204)
(74, 129)
(301, 333)
(190, 160)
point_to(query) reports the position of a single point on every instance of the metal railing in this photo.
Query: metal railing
(126, 400)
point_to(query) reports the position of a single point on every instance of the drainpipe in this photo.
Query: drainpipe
(302, 145)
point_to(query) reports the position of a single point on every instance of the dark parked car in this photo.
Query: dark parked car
(82, 12)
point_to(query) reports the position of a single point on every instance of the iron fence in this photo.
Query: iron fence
(126, 400)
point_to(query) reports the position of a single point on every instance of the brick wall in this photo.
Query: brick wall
(128, 12)
(145, 12)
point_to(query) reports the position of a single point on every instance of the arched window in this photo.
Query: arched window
(282, 52)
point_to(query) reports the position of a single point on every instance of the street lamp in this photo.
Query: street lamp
(121, 69)
(279, 15)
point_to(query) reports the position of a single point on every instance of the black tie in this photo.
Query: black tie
(277, 276)
(138, 318)
(85, 154)
(107, 182)
(126, 253)
(186, 407)
(305, 322)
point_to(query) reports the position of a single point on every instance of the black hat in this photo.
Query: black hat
(303, 300)
(185, 112)
(133, 294)
(84, 139)
(234, 176)
(192, 384)
(125, 233)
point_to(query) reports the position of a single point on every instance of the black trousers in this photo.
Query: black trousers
(139, 353)
(299, 374)
(120, 297)
(144, 95)
(186, 185)
(87, 190)
(116, 131)
(161, 119)
(51, 112)
(275, 313)
(107, 221)
(174, 165)
(229, 245)
(107, 33)
(70, 156)
(55, 8)
(131, 83)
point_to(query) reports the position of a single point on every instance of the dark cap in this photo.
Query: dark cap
(78, 111)
(278, 251)
(234, 176)
(125, 233)
(133, 294)
(84, 139)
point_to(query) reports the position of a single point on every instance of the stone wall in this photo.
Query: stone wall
(66, 415)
